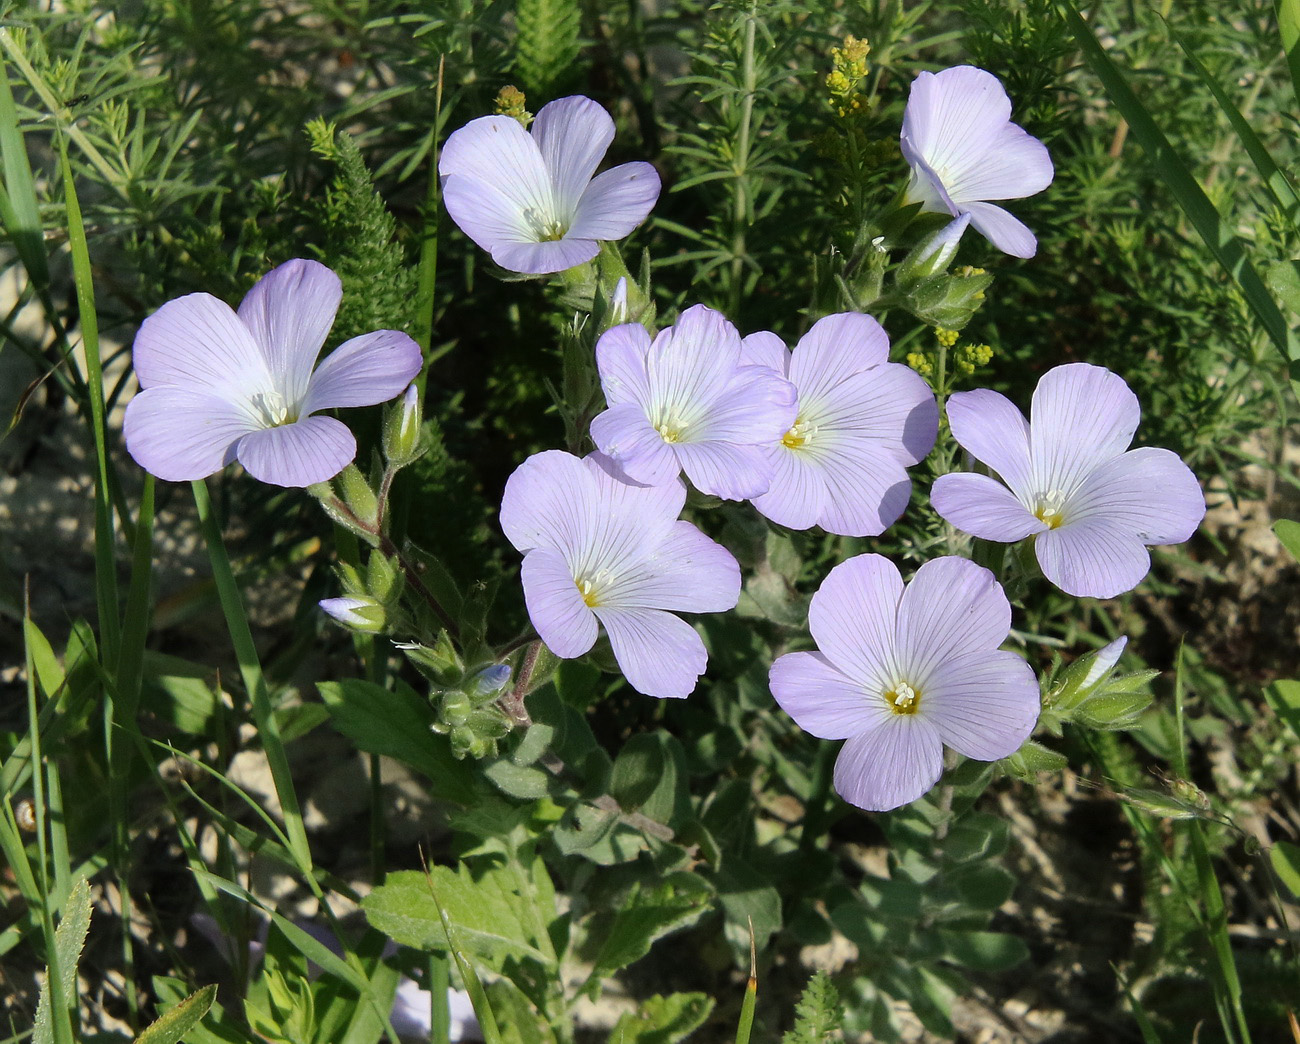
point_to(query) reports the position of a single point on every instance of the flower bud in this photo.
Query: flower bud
(934, 255)
(948, 300)
(384, 578)
(357, 614)
(485, 684)
(402, 429)
(359, 498)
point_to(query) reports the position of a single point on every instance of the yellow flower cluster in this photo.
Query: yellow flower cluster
(965, 272)
(947, 338)
(971, 356)
(849, 69)
(965, 360)
(918, 362)
(510, 102)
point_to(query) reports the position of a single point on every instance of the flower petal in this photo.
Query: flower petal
(1148, 491)
(952, 117)
(506, 191)
(994, 432)
(198, 342)
(686, 572)
(1001, 228)
(983, 704)
(555, 255)
(621, 360)
(725, 470)
(756, 407)
(659, 654)
(624, 433)
(366, 370)
(179, 434)
(573, 134)
(836, 347)
(853, 618)
(889, 406)
(866, 488)
(1082, 416)
(764, 348)
(555, 606)
(822, 700)
(892, 764)
(546, 502)
(951, 607)
(796, 496)
(309, 450)
(289, 312)
(983, 507)
(1015, 164)
(616, 202)
(1093, 558)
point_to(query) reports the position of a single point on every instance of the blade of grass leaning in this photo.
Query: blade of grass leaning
(250, 668)
(1216, 911)
(23, 219)
(1227, 249)
(1145, 1027)
(439, 968)
(1275, 179)
(1288, 22)
(746, 1024)
(427, 274)
(473, 985)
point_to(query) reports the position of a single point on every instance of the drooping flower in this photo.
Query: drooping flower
(528, 197)
(861, 420)
(688, 402)
(900, 672)
(597, 549)
(1091, 507)
(220, 385)
(964, 150)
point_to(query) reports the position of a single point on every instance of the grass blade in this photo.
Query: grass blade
(1288, 21)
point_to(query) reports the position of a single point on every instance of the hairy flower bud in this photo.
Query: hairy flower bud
(402, 429)
(357, 614)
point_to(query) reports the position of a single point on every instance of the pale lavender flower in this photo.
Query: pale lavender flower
(529, 199)
(900, 672)
(1091, 507)
(686, 402)
(861, 420)
(597, 549)
(964, 150)
(220, 386)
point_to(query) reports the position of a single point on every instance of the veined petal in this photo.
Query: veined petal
(1094, 558)
(1015, 164)
(1082, 416)
(623, 432)
(621, 359)
(363, 371)
(628, 519)
(555, 255)
(686, 572)
(659, 654)
(180, 434)
(723, 469)
(1001, 228)
(289, 312)
(853, 618)
(690, 364)
(485, 212)
(983, 507)
(823, 700)
(764, 348)
(1148, 491)
(983, 704)
(995, 433)
(505, 169)
(616, 202)
(796, 496)
(310, 450)
(836, 347)
(756, 407)
(555, 605)
(888, 405)
(547, 501)
(198, 342)
(952, 117)
(890, 765)
(573, 134)
(951, 607)
(867, 489)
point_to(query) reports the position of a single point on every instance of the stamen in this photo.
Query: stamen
(800, 435)
(272, 409)
(1050, 508)
(672, 428)
(547, 229)
(588, 591)
(903, 699)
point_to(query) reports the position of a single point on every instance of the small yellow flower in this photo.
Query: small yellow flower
(945, 337)
(510, 101)
(920, 363)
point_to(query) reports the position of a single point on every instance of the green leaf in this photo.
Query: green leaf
(486, 912)
(637, 771)
(1289, 532)
(1285, 858)
(646, 914)
(1031, 759)
(747, 897)
(662, 1020)
(984, 951)
(517, 1019)
(986, 887)
(1288, 22)
(1284, 697)
(215, 1029)
(525, 782)
(172, 1027)
(818, 1013)
(548, 43)
(69, 939)
(382, 721)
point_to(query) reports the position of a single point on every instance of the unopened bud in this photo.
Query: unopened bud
(402, 429)
(934, 255)
(618, 303)
(359, 498)
(357, 614)
(489, 681)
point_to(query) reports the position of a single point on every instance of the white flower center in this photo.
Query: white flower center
(903, 698)
(1050, 508)
(587, 588)
(801, 434)
(547, 229)
(272, 409)
(672, 427)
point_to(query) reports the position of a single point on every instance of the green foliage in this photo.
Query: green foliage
(818, 1014)
(176, 1024)
(547, 45)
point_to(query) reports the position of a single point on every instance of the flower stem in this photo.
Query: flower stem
(740, 201)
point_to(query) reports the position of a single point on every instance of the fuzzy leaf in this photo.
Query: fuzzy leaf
(648, 914)
(172, 1027)
(69, 939)
(662, 1020)
(818, 1013)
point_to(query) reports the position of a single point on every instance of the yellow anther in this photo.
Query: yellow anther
(903, 699)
